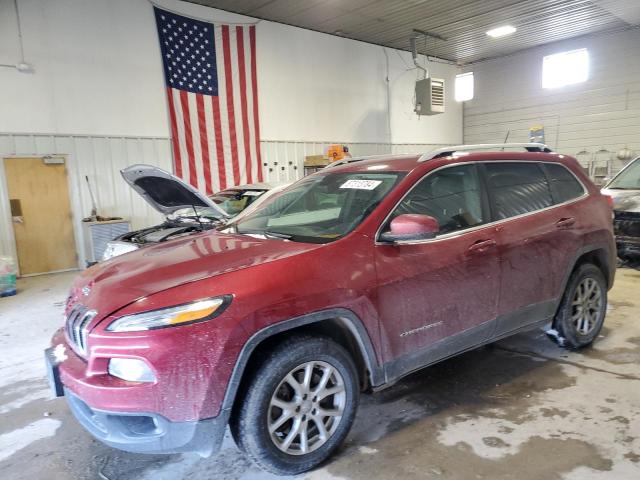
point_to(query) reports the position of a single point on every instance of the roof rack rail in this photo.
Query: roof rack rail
(446, 151)
(348, 160)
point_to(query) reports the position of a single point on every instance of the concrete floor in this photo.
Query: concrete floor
(519, 409)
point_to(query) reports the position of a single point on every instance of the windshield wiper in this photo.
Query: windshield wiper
(276, 235)
(265, 233)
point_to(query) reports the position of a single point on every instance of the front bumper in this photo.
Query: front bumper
(628, 246)
(130, 428)
(626, 227)
(149, 432)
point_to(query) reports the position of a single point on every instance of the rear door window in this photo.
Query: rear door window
(564, 185)
(516, 188)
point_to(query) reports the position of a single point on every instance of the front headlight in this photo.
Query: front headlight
(168, 317)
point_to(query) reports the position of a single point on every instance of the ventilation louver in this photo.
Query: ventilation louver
(429, 96)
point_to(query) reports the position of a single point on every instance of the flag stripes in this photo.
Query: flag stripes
(212, 97)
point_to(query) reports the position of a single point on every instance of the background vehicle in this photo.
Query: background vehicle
(351, 278)
(624, 188)
(187, 211)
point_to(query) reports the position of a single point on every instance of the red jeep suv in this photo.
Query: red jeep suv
(346, 281)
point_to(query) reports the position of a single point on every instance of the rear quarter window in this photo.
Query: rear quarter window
(564, 185)
(517, 188)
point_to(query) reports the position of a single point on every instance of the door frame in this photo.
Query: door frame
(5, 210)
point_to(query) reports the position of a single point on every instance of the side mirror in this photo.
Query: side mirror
(411, 227)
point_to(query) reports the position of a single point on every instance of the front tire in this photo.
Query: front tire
(298, 407)
(583, 308)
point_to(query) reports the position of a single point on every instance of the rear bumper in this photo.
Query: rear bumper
(149, 432)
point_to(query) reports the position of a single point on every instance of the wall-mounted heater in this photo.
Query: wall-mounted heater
(429, 98)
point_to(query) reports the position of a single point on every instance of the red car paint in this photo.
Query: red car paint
(462, 282)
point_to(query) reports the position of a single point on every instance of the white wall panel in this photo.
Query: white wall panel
(283, 160)
(98, 71)
(591, 120)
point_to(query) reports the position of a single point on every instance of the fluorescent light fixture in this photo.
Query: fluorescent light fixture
(565, 68)
(464, 87)
(501, 31)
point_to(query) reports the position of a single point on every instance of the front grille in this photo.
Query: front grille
(78, 320)
(626, 223)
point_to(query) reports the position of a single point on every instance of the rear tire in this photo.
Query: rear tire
(583, 308)
(298, 406)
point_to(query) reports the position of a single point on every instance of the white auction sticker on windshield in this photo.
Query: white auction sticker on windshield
(361, 184)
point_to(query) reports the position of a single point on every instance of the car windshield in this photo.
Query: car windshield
(235, 201)
(629, 178)
(320, 208)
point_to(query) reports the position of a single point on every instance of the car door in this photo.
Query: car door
(520, 199)
(437, 297)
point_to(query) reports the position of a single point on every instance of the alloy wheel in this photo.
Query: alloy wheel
(587, 306)
(306, 408)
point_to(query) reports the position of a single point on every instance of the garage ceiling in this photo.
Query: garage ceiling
(462, 24)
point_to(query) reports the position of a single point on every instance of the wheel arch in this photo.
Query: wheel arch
(340, 324)
(597, 254)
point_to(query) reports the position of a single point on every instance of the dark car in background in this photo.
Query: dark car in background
(186, 210)
(624, 188)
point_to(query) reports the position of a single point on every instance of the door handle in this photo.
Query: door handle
(481, 246)
(567, 222)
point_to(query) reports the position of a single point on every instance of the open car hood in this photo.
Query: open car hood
(166, 192)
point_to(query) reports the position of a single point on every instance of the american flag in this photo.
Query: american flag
(212, 96)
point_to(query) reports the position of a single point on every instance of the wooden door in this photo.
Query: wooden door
(39, 198)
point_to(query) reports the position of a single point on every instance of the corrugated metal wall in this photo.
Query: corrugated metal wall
(591, 121)
(98, 158)
(101, 157)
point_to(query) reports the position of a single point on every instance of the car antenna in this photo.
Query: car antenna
(197, 216)
(506, 138)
